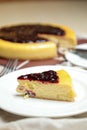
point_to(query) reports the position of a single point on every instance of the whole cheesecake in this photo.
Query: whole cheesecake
(53, 85)
(35, 41)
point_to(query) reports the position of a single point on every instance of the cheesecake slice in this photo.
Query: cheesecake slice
(35, 41)
(53, 85)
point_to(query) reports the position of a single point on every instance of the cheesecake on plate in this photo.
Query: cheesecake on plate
(53, 85)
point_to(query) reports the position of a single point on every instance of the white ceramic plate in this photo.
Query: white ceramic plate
(76, 60)
(11, 102)
(82, 46)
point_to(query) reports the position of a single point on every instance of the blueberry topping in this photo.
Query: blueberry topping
(49, 76)
(28, 33)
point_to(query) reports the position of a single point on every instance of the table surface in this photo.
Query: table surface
(67, 12)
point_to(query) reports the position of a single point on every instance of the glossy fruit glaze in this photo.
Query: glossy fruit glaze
(47, 76)
(28, 33)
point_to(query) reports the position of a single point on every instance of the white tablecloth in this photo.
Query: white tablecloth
(13, 122)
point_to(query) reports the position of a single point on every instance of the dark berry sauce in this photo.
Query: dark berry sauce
(28, 33)
(49, 76)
